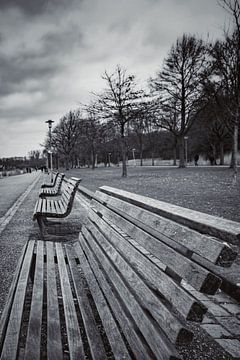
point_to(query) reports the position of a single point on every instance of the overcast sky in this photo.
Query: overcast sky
(53, 53)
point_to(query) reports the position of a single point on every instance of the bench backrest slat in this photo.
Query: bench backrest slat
(203, 245)
(94, 279)
(226, 230)
(149, 270)
(133, 287)
(94, 338)
(127, 302)
(193, 273)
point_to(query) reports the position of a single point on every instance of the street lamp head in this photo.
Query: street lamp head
(49, 122)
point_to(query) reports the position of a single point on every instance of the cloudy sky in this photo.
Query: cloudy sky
(53, 52)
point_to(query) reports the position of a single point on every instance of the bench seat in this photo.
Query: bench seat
(64, 305)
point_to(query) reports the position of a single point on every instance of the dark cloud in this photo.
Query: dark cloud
(61, 42)
(36, 7)
(16, 71)
(28, 6)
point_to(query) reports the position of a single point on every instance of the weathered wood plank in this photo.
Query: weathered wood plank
(132, 334)
(54, 343)
(94, 338)
(173, 328)
(73, 331)
(203, 245)
(197, 276)
(152, 274)
(92, 273)
(8, 306)
(33, 342)
(226, 230)
(158, 343)
(10, 346)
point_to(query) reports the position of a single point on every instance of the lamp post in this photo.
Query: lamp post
(50, 122)
(186, 139)
(134, 159)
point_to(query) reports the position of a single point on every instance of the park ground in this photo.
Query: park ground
(208, 189)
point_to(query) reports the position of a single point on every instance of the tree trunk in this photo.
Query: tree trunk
(181, 152)
(235, 152)
(141, 158)
(67, 159)
(221, 153)
(153, 159)
(123, 147)
(175, 152)
(93, 158)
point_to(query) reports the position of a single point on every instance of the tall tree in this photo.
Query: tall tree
(66, 134)
(226, 60)
(91, 131)
(179, 85)
(117, 102)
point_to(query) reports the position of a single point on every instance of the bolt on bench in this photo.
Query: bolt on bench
(126, 289)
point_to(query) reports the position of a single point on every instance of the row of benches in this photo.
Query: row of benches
(128, 287)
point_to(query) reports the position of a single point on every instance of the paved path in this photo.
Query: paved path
(15, 223)
(12, 187)
(17, 226)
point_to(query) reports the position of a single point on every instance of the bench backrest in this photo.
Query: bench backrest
(69, 189)
(45, 184)
(152, 259)
(59, 182)
(225, 229)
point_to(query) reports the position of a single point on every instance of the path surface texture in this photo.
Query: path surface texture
(18, 197)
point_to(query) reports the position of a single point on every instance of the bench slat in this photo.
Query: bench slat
(92, 270)
(171, 325)
(93, 276)
(174, 293)
(54, 344)
(10, 346)
(205, 246)
(94, 339)
(32, 350)
(226, 230)
(73, 331)
(7, 308)
(194, 274)
(159, 343)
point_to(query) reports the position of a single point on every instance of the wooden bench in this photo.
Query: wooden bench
(46, 184)
(56, 207)
(53, 190)
(190, 255)
(126, 289)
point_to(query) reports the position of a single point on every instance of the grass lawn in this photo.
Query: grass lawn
(206, 189)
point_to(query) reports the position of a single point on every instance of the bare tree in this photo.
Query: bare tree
(179, 85)
(91, 131)
(117, 103)
(66, 134)
(226, 56)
